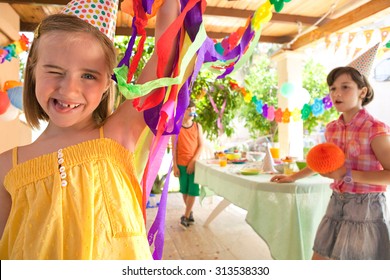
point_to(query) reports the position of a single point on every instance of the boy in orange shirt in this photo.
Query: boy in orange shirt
(187, 146)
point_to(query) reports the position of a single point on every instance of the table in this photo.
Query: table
(285, 216)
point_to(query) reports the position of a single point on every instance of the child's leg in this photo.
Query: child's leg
(189, 204)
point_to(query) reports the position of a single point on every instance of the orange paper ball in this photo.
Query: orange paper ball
(325, 158)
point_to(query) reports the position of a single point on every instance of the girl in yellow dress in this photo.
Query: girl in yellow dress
(73, 193)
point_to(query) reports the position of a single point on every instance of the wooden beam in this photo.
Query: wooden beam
(364, 11)
(210, 11)
(276, 17)
(127, 31)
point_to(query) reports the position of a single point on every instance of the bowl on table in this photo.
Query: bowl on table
(255, 156)
(233, 156)
(301, 164)
(279, 167)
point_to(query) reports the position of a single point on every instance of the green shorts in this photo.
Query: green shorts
(187, 184)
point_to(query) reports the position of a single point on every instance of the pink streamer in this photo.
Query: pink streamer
(219, 113)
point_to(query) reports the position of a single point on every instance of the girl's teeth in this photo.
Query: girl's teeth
(68, 105)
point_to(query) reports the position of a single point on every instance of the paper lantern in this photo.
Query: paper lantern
(324, 158)
(15, 96)
(11, 84)
(10, 114)
(4, 102)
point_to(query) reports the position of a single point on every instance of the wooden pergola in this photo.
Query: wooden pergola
(300, 22)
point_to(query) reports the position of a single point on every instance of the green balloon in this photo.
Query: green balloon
(287, 89)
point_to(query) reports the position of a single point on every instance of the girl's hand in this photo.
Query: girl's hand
(282, 179)
(338, 174)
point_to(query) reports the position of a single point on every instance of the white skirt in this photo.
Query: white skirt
(355, 227)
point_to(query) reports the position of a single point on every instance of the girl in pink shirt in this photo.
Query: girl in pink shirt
(357, 222)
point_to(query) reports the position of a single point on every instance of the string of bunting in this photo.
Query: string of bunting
(13, 50)
(317, 108)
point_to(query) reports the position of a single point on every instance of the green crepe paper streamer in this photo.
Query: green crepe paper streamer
(131, 91)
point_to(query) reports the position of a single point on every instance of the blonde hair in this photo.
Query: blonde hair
(66, 23)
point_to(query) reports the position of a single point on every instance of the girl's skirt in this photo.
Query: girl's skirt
(355, 227)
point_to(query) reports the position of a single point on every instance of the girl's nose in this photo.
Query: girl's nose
(70, 85)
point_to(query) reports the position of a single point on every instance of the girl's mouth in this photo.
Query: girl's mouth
(65, 105)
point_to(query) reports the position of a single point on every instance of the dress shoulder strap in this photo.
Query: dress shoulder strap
(101, 132)
(14, 156)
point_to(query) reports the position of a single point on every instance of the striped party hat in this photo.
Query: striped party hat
(363, 63)
(99, 13)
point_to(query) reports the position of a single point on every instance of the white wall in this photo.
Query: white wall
(12, 133)
(380, 106)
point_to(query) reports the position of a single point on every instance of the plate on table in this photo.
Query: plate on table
(238, 161)
(249, 171)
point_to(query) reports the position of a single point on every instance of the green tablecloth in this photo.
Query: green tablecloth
(286, 216)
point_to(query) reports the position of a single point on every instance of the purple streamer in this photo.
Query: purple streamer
(157, 230)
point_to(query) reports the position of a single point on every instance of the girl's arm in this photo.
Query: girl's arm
(127, 124)
(5, 198)
(381, 147)
(292, 178)
(5, 208)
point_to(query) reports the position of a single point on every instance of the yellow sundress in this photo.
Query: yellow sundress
(85, 206)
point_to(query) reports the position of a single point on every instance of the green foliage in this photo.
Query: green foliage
(261, 81)
(314, 80)
(205, 87)
(121, 43)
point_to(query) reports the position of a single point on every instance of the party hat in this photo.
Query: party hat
(268, 162)
(363, 63)
(99, 13)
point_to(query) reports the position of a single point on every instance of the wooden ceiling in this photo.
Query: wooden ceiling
(300, 22)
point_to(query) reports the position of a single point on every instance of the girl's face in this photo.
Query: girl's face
(345, 94)
(71, 76)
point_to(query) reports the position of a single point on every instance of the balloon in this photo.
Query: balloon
(304, 96)
(15, 95)
(4, 102)
(287, 89)
(10, 114)
(11, 84)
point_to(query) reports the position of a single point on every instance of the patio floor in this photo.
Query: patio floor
(228, 237)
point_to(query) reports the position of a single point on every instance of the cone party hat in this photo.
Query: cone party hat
(363, 63)
(268, 162)
(99, 13)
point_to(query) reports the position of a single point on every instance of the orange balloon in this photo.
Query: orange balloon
(324, 158)
(11, 84)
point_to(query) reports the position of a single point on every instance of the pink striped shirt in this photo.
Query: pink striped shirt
(354, 138)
